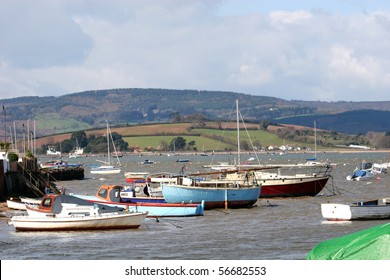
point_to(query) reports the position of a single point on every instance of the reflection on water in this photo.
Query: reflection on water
(286, 228)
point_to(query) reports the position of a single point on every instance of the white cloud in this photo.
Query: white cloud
(285, 17)
(59, 47)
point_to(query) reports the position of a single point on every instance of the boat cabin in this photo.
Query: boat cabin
(110, 193)
(126, 194)
(67, 205)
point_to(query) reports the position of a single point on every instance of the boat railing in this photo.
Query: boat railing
(301, 171)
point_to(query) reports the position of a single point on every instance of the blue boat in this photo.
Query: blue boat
(232, 189)
(223, 193)
(110, 195)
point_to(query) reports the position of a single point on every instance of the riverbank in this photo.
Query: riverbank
(188, 153)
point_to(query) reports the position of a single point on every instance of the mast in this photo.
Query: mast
(315, 140)
(108, 147)
(238, 135)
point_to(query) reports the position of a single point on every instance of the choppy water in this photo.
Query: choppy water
(276, 229)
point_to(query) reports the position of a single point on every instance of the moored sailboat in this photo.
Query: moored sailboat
(107, 168)
(233, 189)
(63, 212)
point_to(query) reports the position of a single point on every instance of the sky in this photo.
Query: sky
(314, 50)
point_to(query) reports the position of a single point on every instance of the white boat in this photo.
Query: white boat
(379, 168)
(360, 175)
(365, 210)
(15, 204)
(63, 212)
(21, 203)
(148, 161)
(107, 168)
(52, 152)
(30, 201)
(77, 153)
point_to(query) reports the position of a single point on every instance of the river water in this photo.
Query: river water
(275, 229)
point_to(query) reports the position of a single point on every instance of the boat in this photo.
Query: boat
(223, 193)
(365, 210)
(77, 153)
(360, 175)
(63, 212)
(113, 195)
(182, 160)
(15, 204)
(231, 189)
(117, 154)
(51, 151)
(107, 168)
(293, 180)
(146, 184)
(379, 168)
(286, 180)
(62, 170)
(136, 177)
(362, 172)
(148, 161)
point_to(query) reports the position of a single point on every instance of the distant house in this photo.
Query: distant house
(359, 147)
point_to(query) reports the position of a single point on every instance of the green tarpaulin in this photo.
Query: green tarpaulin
(369, 244)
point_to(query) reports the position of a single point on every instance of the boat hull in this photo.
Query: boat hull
(156, 210)
(16, 205)
(343, 212)
(100, 222)
(103, 171)
(292, 187)
(143, 200)
(213, 197)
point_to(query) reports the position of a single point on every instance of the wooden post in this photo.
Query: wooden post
(2, 179)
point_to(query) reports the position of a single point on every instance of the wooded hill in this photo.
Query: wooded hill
(91, 109)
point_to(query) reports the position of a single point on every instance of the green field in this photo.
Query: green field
(155, 136)
(212, 139)
(201, 143)
(52, 123)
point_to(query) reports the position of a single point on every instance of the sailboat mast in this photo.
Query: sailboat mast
(108, 147)
(238, 135)
(315, 140)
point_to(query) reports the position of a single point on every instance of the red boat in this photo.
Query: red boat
(294, 180)
(287, 180)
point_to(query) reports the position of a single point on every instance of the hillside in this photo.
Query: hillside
(206, 136)
(91, 109)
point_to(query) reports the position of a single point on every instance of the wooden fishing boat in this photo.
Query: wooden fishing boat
(112, 195)
(364, 210)
(64, 212)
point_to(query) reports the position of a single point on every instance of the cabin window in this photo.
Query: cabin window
(103, 193)
(47, 202)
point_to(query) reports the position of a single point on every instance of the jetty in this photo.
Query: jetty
(24, 177)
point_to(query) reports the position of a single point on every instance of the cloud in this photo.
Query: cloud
(40, 35)
(58, 47)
